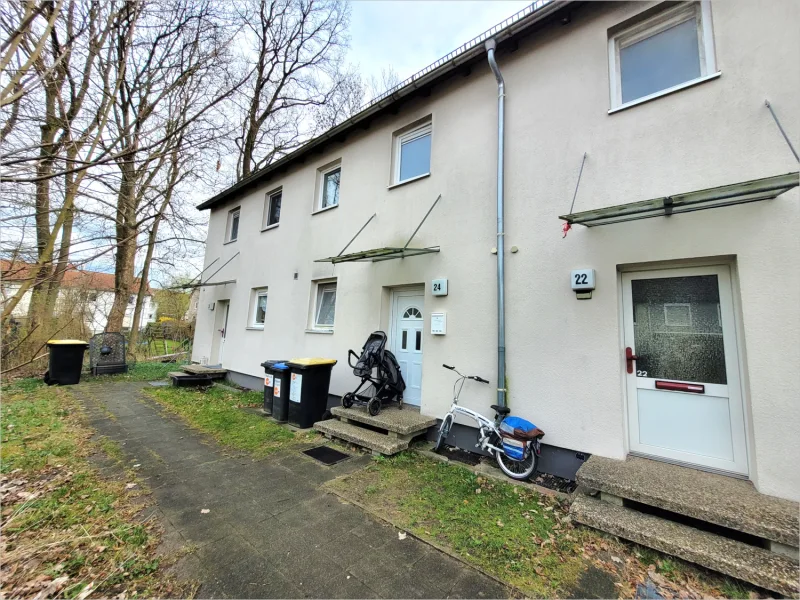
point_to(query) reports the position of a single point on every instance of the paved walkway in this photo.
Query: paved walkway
(270, 531)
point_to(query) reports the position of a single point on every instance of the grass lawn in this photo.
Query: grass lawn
(141, 371)
(67, 531)
(220, 413)
(520, 536)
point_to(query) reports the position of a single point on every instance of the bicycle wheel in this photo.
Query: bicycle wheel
(518, 469)
(444, 431)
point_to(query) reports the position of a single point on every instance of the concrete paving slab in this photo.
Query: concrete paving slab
(270, 531)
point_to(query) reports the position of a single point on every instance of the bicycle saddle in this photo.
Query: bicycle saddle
(500, 410)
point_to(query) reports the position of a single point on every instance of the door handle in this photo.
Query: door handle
(629, 358)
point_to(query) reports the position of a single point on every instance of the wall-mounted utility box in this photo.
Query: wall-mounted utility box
(438, 323)
(439, 287)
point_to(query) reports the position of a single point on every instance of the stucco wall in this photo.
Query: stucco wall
(564, 356)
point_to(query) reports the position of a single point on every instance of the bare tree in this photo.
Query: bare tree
(70, 129)
(170, 82)
(352, 94)
(299, 46)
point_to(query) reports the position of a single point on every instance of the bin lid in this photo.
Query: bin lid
(281, 366)
(313, 362)
(68, 342)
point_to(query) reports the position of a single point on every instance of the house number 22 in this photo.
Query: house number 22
(641, 373)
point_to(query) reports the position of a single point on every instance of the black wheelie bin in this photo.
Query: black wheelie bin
(308, 390)
(66, 362)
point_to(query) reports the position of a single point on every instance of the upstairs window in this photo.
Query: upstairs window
(666, 52)
(272, 209)
(412, 153)
(329, 182)
(232, 229)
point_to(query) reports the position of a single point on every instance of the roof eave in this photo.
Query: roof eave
(427, 79)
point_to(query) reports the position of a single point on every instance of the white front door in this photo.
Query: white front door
(406, 340)
(221, 325)
(682, 368)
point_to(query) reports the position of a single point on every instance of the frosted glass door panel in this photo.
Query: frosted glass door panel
(678, 330)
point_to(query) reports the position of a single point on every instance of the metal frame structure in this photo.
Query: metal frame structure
(386, 253)
(727, 195)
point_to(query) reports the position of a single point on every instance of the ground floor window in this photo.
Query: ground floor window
(325, 308)
(258, 310)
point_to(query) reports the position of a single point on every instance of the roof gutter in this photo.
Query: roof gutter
(425, 77)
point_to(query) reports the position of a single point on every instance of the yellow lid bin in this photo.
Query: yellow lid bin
(309, 380)
(308, 362)
(65, 362)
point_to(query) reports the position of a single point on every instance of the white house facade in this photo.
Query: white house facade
(685, 350)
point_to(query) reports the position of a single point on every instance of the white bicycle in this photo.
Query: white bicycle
(513, 442)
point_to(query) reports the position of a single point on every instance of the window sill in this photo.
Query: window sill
(268, 227)
(322, 331)
(417, 178)
(326, 209)
(673, 89)
(229, 242)
(255, 328)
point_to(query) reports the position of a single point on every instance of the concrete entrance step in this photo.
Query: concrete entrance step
(400, 423)
(366, 438)
(724, 501)
(736, 559)
(212, 372)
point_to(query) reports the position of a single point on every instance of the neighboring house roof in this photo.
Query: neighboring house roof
(418, 84)
(73, 277)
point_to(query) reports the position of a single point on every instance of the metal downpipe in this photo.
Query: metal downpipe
(491, 45)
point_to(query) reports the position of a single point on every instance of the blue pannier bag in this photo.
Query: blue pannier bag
(512, 428)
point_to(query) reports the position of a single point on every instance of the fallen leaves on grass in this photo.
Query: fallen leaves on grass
(67, 532)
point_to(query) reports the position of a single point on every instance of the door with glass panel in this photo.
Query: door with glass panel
(406, 342)
(682, 368)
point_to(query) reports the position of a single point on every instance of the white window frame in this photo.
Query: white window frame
(322, 287)
(265, 224)
(234, 212)
(322, 173)
(255, 295)
(403, 138)
(650, 27)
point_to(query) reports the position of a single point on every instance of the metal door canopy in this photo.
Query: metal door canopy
(387, 253)
(378, 254)
(727, 195)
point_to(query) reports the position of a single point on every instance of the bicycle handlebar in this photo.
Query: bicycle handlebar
(473, 377)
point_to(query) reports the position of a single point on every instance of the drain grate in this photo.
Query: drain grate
(326, 455)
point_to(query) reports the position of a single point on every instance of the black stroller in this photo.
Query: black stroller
(384, 387)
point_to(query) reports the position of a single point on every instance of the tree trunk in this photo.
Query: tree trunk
(71, 182)
(126, 245)
(44, 168)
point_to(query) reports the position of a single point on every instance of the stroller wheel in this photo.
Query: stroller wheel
(347, 400)
(374, 406)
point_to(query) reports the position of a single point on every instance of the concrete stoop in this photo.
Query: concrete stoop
(387, 433)
(210, 372)
(736, 559)
(676, 498)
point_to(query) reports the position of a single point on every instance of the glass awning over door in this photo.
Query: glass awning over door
(727, 195)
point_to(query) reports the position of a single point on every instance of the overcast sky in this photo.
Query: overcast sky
(410, 34)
